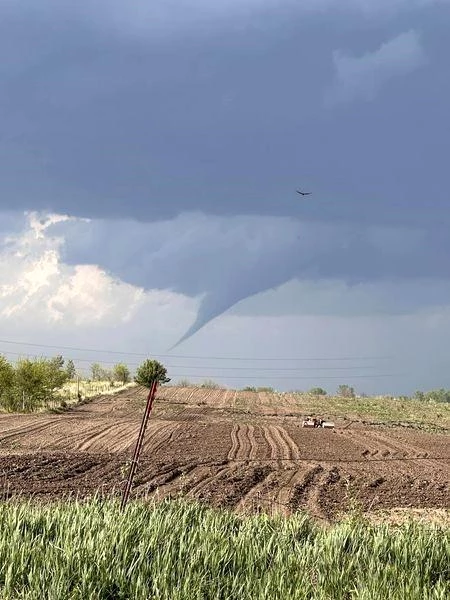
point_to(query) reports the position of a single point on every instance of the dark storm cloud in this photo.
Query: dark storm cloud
(110, 115)
(225, 260)
(126, 112)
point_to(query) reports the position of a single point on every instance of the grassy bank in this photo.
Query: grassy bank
(177, 551)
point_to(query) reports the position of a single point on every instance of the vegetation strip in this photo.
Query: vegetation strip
(174, 550)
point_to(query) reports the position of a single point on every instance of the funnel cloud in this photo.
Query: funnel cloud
(222, 261)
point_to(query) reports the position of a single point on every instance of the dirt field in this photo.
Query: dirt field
(247, 451)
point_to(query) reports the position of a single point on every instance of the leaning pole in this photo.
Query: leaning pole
(139, 443)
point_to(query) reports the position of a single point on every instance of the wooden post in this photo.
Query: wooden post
(139, 443)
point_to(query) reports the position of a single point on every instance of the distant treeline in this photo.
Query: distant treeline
(440, 395)
(343, 391)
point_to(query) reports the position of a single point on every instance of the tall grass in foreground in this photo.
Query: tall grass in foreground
(179, 551)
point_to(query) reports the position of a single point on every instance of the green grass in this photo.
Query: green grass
(421, 414)
(174, 551)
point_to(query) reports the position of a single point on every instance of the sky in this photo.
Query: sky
(149, 159)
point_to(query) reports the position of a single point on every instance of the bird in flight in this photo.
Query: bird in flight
(303, 193)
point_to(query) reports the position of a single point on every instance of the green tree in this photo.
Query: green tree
(6, 384)
(121, 373)
(57, 361)
(54, 372)
(318, 391)
(70, 369)
(150, 371)
(97, 372)
(346, 391)
(36, 381)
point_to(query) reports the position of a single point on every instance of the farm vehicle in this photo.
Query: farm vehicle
(313, 422)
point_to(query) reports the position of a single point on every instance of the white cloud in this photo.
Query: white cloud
(37, 287)
(363, 77)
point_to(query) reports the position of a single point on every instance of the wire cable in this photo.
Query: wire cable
(168, 366)
(149, 354)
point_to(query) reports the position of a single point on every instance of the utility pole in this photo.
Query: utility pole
(139, 443)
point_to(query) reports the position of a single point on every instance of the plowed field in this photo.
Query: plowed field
(245, 451)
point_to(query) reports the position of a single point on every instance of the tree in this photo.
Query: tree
(99, 373)
(345, 391)
(35, 382)
(54, 372)
(150, 371)
(121, 373)
(441, 395)
(6, 384)
(318, 391)
(57, 361)
(70, 369)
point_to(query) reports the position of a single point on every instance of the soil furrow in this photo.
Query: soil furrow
(196, 447)
(234, 442)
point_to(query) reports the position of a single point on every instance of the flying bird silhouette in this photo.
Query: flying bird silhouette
(303, 193)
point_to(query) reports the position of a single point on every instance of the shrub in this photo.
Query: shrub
(185, 383)
(121, 373)
(318, 391)
(150, 371)
(345, 391)
(210, 384)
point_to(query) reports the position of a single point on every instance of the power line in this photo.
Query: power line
(147, 354)
(111, 362)
(219, 376)
(250, 375)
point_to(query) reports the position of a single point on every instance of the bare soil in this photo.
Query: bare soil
(244, 455)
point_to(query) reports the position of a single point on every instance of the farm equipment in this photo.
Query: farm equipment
(313, 422)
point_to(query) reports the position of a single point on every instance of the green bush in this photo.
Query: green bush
(346, 391)
(318, 391)
(150, 371)
(121, 373)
